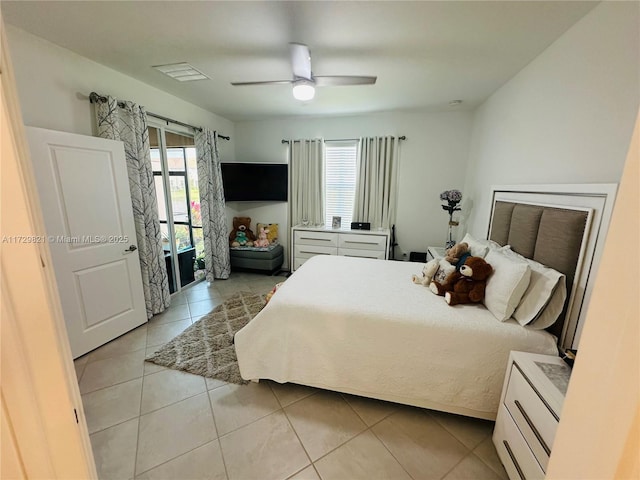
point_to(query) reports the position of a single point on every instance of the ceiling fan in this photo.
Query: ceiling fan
(304, 81)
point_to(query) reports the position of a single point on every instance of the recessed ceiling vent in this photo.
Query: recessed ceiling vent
(182, 72)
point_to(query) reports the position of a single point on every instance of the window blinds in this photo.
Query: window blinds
(340, 180)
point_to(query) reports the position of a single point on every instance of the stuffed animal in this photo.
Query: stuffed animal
(272, 231)
(439, 269)
(241, 239)
(273, 290)
(243, 225)
(262, 240)
(457, 254)
(467, 285)
(436, 269)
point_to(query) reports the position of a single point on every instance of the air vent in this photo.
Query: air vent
(182, 72)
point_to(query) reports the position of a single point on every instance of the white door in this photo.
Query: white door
(84, 193)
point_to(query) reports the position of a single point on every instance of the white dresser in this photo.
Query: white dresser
(530, 407)
(308, 242)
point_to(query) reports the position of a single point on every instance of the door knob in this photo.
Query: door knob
(132, 248)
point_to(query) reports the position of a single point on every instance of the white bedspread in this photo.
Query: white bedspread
(361, 326)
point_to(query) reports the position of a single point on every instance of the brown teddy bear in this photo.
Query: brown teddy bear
(466, 285)
(241, 235)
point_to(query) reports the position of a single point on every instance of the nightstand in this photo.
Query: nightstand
(529, 412)
(435, 252)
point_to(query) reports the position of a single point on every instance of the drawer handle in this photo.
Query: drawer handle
(360, 256)
(546, 404)
(533, 428)
(361, 243)
(513, 459)
(314, 253)
(315, 238)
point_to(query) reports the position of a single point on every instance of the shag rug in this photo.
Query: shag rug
(206, 347)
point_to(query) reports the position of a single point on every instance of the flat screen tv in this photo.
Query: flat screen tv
(255, 182)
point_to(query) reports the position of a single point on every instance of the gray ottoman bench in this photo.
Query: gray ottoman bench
(268, 261)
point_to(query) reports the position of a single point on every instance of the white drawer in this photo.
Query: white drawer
(299, 261)
(532, 417)
(308, 251)
(326, 239)
(513, 451)
(363, 242)
(352, 252)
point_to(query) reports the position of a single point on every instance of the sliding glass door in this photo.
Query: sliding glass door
(173, 157)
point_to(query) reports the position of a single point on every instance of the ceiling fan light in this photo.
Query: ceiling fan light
(303, 91)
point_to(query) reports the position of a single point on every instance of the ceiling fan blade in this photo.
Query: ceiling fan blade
(268, 82)
(339, 80)
(300, 60)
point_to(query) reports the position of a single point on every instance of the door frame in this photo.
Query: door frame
(39, 391)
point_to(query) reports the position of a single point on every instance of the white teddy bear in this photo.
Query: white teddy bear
(439, 267)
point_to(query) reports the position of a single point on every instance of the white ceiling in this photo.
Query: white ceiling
(425, 53)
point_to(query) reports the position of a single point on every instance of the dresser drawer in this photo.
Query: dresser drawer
(308, 251)
(298, 261)
(363, 242)
(327, 239)
(517, 458)
(352, 252)
(532, 417)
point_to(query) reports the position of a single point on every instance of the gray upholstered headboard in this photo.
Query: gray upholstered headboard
(563, 227)
(549, 235)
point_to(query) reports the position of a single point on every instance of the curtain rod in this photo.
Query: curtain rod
(403, 137)
(95, 98)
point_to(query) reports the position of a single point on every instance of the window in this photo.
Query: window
(340, 180)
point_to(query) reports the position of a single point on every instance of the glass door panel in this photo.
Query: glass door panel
(175, 159)
(156, 161)
(198, 241)
(179, 204)
(162, 204)
(194, 190)
(183, 238)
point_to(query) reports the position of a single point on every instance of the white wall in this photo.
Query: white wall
(565, 118)
(54, 84)
(433, 159)
(599, 432)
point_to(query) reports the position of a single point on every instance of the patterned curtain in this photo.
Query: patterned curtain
(306, 182)
(127, 122)
(214, 221)
(377, 181)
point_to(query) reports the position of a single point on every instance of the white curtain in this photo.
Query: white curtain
(127, 122)
(214, 221)
(306, 182)
(377, 181)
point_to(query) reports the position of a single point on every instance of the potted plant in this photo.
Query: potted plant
(200, 262)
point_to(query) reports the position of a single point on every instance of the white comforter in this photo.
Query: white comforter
(361, 326)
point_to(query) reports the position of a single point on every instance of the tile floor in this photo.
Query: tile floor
(149, 422)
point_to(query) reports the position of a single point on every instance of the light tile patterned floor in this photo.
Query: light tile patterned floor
(150, 422)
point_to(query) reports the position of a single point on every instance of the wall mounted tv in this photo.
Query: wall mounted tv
(255, 182)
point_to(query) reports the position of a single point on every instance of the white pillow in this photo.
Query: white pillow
(542, 286)
(506, 285)
(480, 247)
(552, 311)
(476, 247)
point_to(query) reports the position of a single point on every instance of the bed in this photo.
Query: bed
(360, 326)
